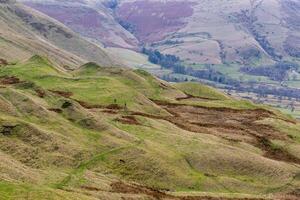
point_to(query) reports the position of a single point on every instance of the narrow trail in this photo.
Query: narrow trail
(84, 166)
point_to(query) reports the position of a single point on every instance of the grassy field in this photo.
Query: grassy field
(113, 133)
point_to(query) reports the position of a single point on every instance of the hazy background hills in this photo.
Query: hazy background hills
(213, 32)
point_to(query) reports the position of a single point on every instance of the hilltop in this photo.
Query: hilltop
(115, 133)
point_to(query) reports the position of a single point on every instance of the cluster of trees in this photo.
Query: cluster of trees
(277, 72)
(174, 63)
(263, 90)
(166, 61)
(291, 47)
(112, 4)
(128, 26)
(265, 44)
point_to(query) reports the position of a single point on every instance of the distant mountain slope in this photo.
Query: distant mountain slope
(218, 31)
(211, 32)
(25, 32)
(91, 19)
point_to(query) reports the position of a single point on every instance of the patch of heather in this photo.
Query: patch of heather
(160, 17)
(83, 16)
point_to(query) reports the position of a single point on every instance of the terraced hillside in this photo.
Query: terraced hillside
(114, 133)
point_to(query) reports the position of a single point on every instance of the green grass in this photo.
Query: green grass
(198, 90)
(156, 153)
(10, 191)
(83, 167)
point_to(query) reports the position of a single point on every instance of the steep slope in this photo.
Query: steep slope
(114, 133)
(25, 32)
(91, 19)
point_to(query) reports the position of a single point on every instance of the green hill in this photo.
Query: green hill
(114, 133)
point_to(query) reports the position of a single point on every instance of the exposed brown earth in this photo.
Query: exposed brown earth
(128, 120)
(3, 62)
(9, 80)
(40, 93)
(193, 98)
(120, 187)
(91, 106)
(230, 124)
(62, 93)
(161, 18)
(57, 110)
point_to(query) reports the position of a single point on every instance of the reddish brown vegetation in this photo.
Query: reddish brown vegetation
(110, 111)
(191, 97)
(92, 106)
(120, 187)
(9, 80)
(230, 124)
(86, 18)
(114, 107)
(3, 62)
(161, 17)
(128, 120)
(62, 93)
(41, 93)
(57, 110)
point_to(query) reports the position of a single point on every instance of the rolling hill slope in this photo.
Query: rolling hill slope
(73, 129)
(25, 32)
(112, 133)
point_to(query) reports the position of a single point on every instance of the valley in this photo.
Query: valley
(97, 104)
(219, 38)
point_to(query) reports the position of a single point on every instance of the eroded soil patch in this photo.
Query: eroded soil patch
(193, 98)
(40, 93)
(109, 108)
(233, 125)
(128, 120)
(3, 62)
(120, 187)
(62, 93)
(10, 80)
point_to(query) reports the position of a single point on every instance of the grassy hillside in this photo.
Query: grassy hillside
(26, 32)
(114, 133)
